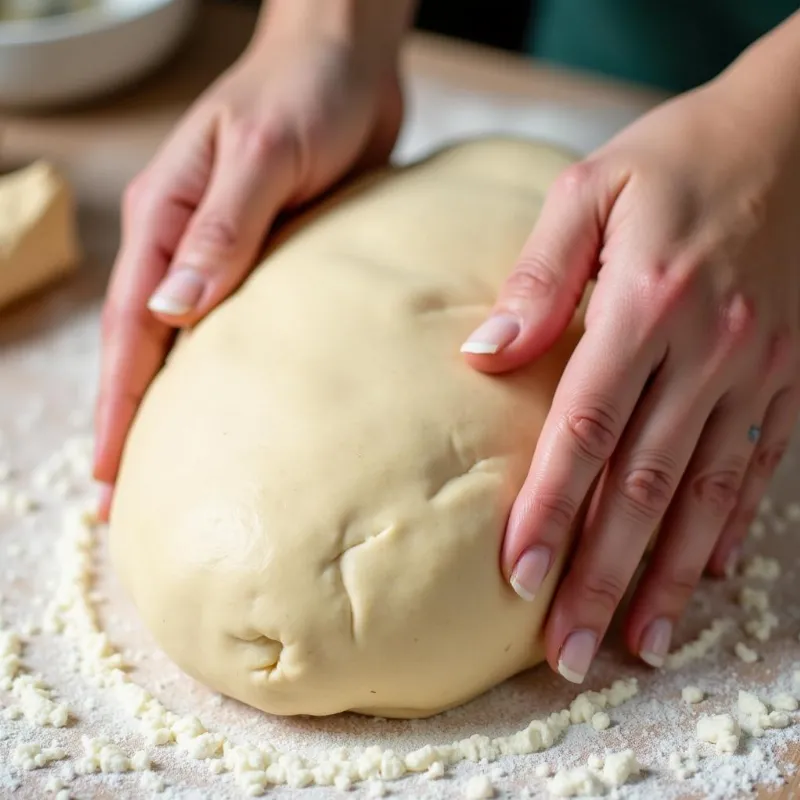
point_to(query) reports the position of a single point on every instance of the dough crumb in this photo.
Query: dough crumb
(745, 653)
(479, 787)
(721, 730)
(699, 647)
(762, 568)
(784, 702)
(619, 768)
(435, 771)
(595, 761)
(692, 694)
(576, 782)
(601, 721)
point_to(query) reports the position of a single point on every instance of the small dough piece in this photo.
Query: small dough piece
(38, 230)
(479, 787)
(721, 730)
(313, 496)
(601, 721)
(692, 694)
(745, 653)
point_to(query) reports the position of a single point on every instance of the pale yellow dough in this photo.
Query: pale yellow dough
(313, 496)
(38, 231)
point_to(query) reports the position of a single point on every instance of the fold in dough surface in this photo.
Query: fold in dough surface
(313, 496)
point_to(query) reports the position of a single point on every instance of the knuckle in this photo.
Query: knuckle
(574, 179)
(136, 195)
(258, 140)
(555, 510)
(768, 456)
(533, 276)
(601, 590)
(594, 429)
(647, 489)
(215, 235)
(738, 321)
(664, 286)
(719, 489)
(679, 583)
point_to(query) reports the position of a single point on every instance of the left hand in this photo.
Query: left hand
(688, 219)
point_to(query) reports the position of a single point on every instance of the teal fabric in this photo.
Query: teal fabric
(671, 44)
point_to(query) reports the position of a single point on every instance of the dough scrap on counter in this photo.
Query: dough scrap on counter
(313, 495)
(38, 230)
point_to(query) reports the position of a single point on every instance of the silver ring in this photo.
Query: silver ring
(754, 433)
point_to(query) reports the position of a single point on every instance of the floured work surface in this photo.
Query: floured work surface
(54, 579)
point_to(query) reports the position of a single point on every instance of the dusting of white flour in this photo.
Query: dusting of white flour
(90, 707)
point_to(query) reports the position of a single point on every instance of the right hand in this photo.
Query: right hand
(293, 115)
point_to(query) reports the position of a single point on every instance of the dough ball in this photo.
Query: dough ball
(313, 496)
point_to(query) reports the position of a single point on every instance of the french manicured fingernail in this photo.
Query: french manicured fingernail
(576, 655)
(530, 571)
(655, 642)
(732, 562)
(178, 293)
(496, 333)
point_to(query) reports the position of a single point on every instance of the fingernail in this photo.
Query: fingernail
(178, 293)
(732, 562)
(655, 642)
(496, 333)
(576, 655)
(530, 571)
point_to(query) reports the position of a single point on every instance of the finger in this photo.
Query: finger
(641, 480)
(156, 209)
(596, 396)
(706, 496)
(539, 298)
(134, 346)
(255, 169)
(104, 502)
(776, 432)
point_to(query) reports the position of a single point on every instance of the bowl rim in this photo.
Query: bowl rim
(83, 22)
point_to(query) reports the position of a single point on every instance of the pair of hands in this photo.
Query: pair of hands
(686, 220)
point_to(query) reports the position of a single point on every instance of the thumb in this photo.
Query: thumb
(539, 298)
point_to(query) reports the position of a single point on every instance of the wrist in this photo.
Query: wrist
(373, 30)
(762, 87)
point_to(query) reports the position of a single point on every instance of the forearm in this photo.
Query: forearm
(375, 27)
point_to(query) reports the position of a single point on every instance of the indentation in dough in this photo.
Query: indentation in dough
(266, 654)
(454, 487)
(337, 564)
(437, 303)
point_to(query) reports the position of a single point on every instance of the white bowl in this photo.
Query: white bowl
(73, 57)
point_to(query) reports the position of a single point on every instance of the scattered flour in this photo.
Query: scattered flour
(139, 728)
